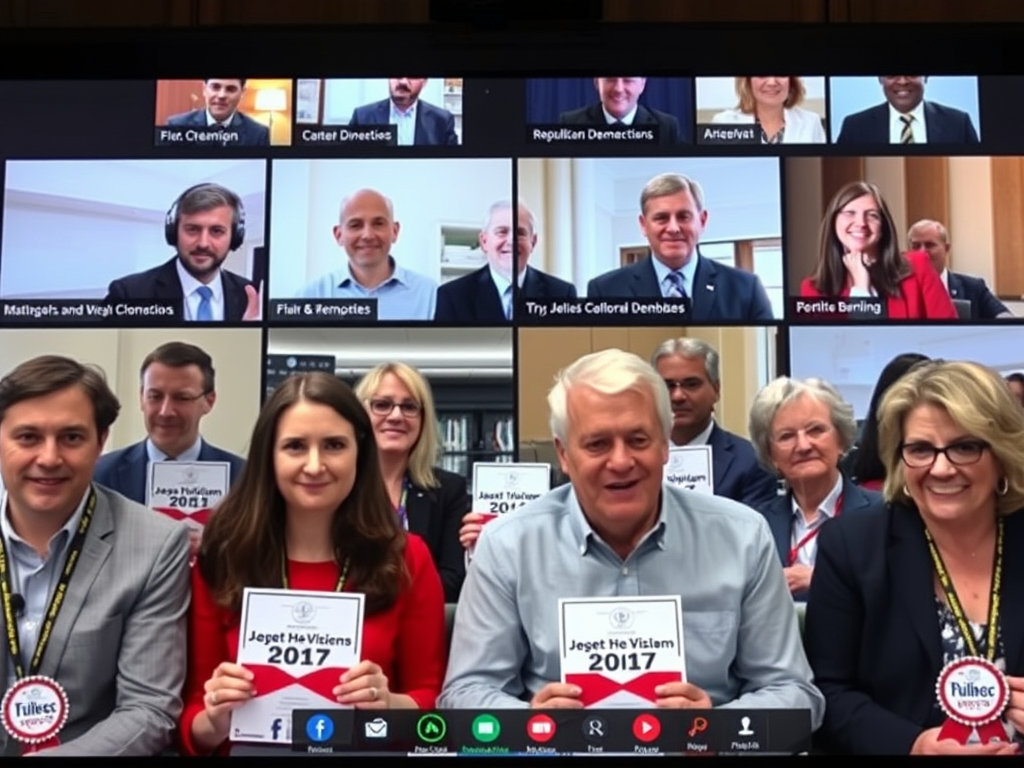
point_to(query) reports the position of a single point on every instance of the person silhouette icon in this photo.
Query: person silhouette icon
(745, 730)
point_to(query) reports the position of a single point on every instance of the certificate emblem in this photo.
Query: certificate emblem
(34, 710)
(973, 693)
(303, 612)
(621, 617)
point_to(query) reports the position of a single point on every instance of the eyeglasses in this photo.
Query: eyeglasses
(789, 437)
(385, 407)
(921, 455)
(687, 385)
(178, 398)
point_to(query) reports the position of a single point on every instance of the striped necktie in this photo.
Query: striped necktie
(907, 134)
(676, 288)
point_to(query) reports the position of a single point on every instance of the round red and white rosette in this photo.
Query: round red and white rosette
(34, 710)
(974, 693)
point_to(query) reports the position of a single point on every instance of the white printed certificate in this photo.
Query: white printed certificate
(690, 467)
(297, 645)
(618, 651)
(187, 490)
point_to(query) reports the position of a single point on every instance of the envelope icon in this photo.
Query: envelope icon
(377, 728)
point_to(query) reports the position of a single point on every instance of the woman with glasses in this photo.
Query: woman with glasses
(428, 501)
(310, 513)
(800, 430)
(930, 576)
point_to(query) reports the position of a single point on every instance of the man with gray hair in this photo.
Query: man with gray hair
(672, 218)
(690, 369)
(933, 238)
(367, 230)
(485, 296)
(616, 530)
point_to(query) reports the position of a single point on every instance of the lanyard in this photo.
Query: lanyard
(956, 608)
(341, 579)
(56, 600)
(812, 534)
(403, 516)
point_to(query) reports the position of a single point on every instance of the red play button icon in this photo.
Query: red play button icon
(646, 727)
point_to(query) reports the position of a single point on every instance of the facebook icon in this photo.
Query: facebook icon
(319, 728)
(275, 729)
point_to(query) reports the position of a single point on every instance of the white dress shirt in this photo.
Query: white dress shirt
(190, 286)
(917, 126)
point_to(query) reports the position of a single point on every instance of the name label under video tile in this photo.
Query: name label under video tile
(561, 134)
(323, 310)
(857, 308)
(606, 311)
(380, 135)
(73, 311)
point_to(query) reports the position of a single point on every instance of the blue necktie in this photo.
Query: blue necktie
(677, 289)
(508, 303)
(205, 313)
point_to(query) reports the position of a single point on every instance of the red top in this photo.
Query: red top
(922, 294)
(408, 640)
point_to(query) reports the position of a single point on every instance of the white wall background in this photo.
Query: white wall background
(718, 93)
(72, 226)
(341, 97)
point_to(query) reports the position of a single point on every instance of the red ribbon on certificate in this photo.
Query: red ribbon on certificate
(596, 687)
(201, 516)
(960, 733)
(268, 678)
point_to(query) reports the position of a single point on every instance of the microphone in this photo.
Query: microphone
(17, 605)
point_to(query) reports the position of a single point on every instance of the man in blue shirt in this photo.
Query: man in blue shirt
(366, 230)
(617, 530)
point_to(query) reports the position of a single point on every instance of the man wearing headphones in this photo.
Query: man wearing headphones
(204, 225)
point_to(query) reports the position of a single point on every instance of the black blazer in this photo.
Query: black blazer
(471, 299)
(162, 283)
(541, 285)
(250, 132)
(593, 115)
(872, 631)
(779, 514)
(435, 515)
(434, 126)
(944, 125)
(718, 292)
(984, 305)
(736, 471)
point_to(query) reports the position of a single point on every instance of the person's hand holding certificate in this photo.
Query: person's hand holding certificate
(624, 652)
(299, 648)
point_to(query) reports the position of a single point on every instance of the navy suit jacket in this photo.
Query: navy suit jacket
(872, 628)
(984, 304)
(719, 292)
(541, 285)
(434, 126)
(593, 115)
(435, 515)
(471, 299)
(944, 125)
(162, 283)
(250, 132)
(779, 514)
(124, 470)
(736, 471)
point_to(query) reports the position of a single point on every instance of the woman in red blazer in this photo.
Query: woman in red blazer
(310, 512)
(860, 257)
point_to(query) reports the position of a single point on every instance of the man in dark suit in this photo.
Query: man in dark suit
(485, 296)
(94, 584)
(906, 118)
(673, 218)
(619, 106)
(419, 123)
(177, 390)
(203, 225)
(933, 238)
(222, 98)
(690, 369)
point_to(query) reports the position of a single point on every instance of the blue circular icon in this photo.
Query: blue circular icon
(319, 728)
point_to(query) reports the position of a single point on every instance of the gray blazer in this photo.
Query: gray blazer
(118, 646)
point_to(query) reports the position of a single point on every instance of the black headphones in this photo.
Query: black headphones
(237, 221)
